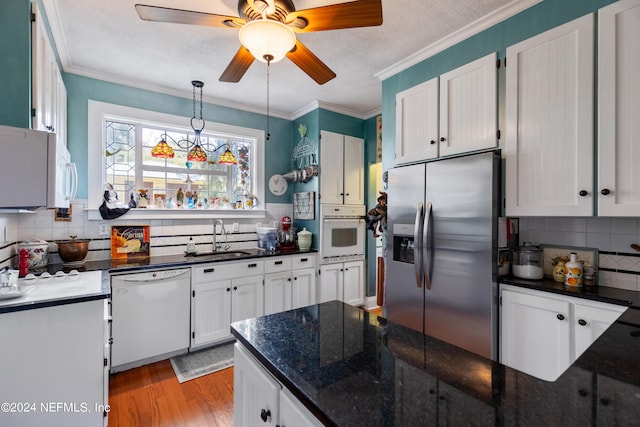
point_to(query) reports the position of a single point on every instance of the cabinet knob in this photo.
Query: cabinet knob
(443, 139)
(295, 278)
(50, 128)
(346, 194)
(605, 401)
(235, 288)
(583, 393)
(605, 191)
(583, 193)
(560, 317)
(432, 142)
(582, 322)
(265, 414)
(228, 289)
(289, 279)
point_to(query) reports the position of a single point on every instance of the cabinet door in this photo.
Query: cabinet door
(255, 393)
(247, 299)
(468, 107)
(353, 283)
(417, 123)
(293, 413)
(549, 129)
(331, 165)
(211, 312)
(330, 283)
(43, 77)
(535, 334)
(618, 94)
(590, 322)
(61, 109)
(353, 171)
(277, 292)
(303, 288)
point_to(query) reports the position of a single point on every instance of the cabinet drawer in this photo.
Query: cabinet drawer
(227, 270)
(303, 261)
(275, 265)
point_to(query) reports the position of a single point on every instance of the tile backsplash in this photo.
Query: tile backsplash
(168, 236)
(619, 264)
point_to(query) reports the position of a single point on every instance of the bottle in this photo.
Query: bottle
(23, 265)
(573, 271)
(191, 246)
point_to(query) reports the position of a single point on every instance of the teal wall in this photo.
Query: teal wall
(82, 89)
(539, 18)
(15, 73)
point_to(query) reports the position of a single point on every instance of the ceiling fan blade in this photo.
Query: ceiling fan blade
(310, 64)
(238, 66)
(179, 16)
(360, 13)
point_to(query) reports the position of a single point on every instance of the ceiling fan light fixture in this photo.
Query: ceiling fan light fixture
(266, 37)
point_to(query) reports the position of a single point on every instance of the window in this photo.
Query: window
(127, 136)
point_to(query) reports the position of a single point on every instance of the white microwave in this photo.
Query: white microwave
(342, 233)
(36, 169)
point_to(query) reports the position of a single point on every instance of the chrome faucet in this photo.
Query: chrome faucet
(217, 246)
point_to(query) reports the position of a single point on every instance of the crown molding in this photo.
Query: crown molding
(480, 24)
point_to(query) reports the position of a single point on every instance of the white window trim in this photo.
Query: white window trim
(97, 111)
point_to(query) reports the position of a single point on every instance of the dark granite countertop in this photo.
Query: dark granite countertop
(351, 367)
(116, 266)
(596, 293)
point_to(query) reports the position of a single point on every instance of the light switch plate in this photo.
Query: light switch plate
(103, 229)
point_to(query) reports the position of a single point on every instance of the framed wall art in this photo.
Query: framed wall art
(303, 205)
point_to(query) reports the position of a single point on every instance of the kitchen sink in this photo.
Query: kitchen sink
(220, 255)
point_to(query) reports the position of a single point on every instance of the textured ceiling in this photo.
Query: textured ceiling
(107, 40)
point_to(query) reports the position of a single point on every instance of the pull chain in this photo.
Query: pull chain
(268, 58)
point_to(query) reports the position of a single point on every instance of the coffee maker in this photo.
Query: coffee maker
(286, 236)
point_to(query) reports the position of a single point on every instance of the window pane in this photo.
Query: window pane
(120, 158)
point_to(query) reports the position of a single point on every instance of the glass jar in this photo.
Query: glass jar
(527, 262)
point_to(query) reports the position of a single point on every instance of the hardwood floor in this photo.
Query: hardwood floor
(151, 396)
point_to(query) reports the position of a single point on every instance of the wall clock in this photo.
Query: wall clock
(278, 185)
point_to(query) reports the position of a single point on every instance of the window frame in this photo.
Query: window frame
(99, 111)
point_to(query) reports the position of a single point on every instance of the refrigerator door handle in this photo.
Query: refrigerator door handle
(417, 247)
(426, 245)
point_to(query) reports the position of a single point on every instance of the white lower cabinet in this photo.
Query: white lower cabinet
(542, 333)
(289, 282)
(259, 399)
(343, 282)
(53, 362)
(222, 294)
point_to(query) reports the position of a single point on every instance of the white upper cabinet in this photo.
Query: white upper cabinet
(341, 169)
(619, 109)
(468, 107)
(417, 123)
(451, 114)
(49, 95)
(549, 122)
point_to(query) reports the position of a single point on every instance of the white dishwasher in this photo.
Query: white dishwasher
(151, 316)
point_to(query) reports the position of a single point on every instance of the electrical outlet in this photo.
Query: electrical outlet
(103, 229)
(236, 227)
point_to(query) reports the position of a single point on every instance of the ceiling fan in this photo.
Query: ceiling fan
(261, 19)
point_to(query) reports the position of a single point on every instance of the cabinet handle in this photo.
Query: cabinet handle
(442, 139)
(583, 193)
(278, 263)
(235, 288)
(432, 142)
(560, 317)
(209, 270)
(304, 259)
(252, 265)
(582, 322)
(605, 191)
(265, 414)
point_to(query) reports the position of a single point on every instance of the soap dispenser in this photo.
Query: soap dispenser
(191, 246)
(573, 271)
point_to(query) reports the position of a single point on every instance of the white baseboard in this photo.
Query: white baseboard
(371, 302)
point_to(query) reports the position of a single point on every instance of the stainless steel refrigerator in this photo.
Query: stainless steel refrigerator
(441, 250)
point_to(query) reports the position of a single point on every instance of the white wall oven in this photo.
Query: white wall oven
(342, 233)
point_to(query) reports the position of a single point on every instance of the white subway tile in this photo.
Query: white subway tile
(624, 281)
(578, 225)
(622, 242)
(599, 225)
(602, 241)
(624, 226)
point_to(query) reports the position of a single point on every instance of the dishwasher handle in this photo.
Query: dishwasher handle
(155, 276)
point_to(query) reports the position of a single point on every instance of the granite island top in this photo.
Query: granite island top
(350, 367)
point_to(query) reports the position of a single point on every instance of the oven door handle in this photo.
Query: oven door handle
(356, 220)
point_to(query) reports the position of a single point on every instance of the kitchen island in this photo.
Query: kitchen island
(349, 367)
